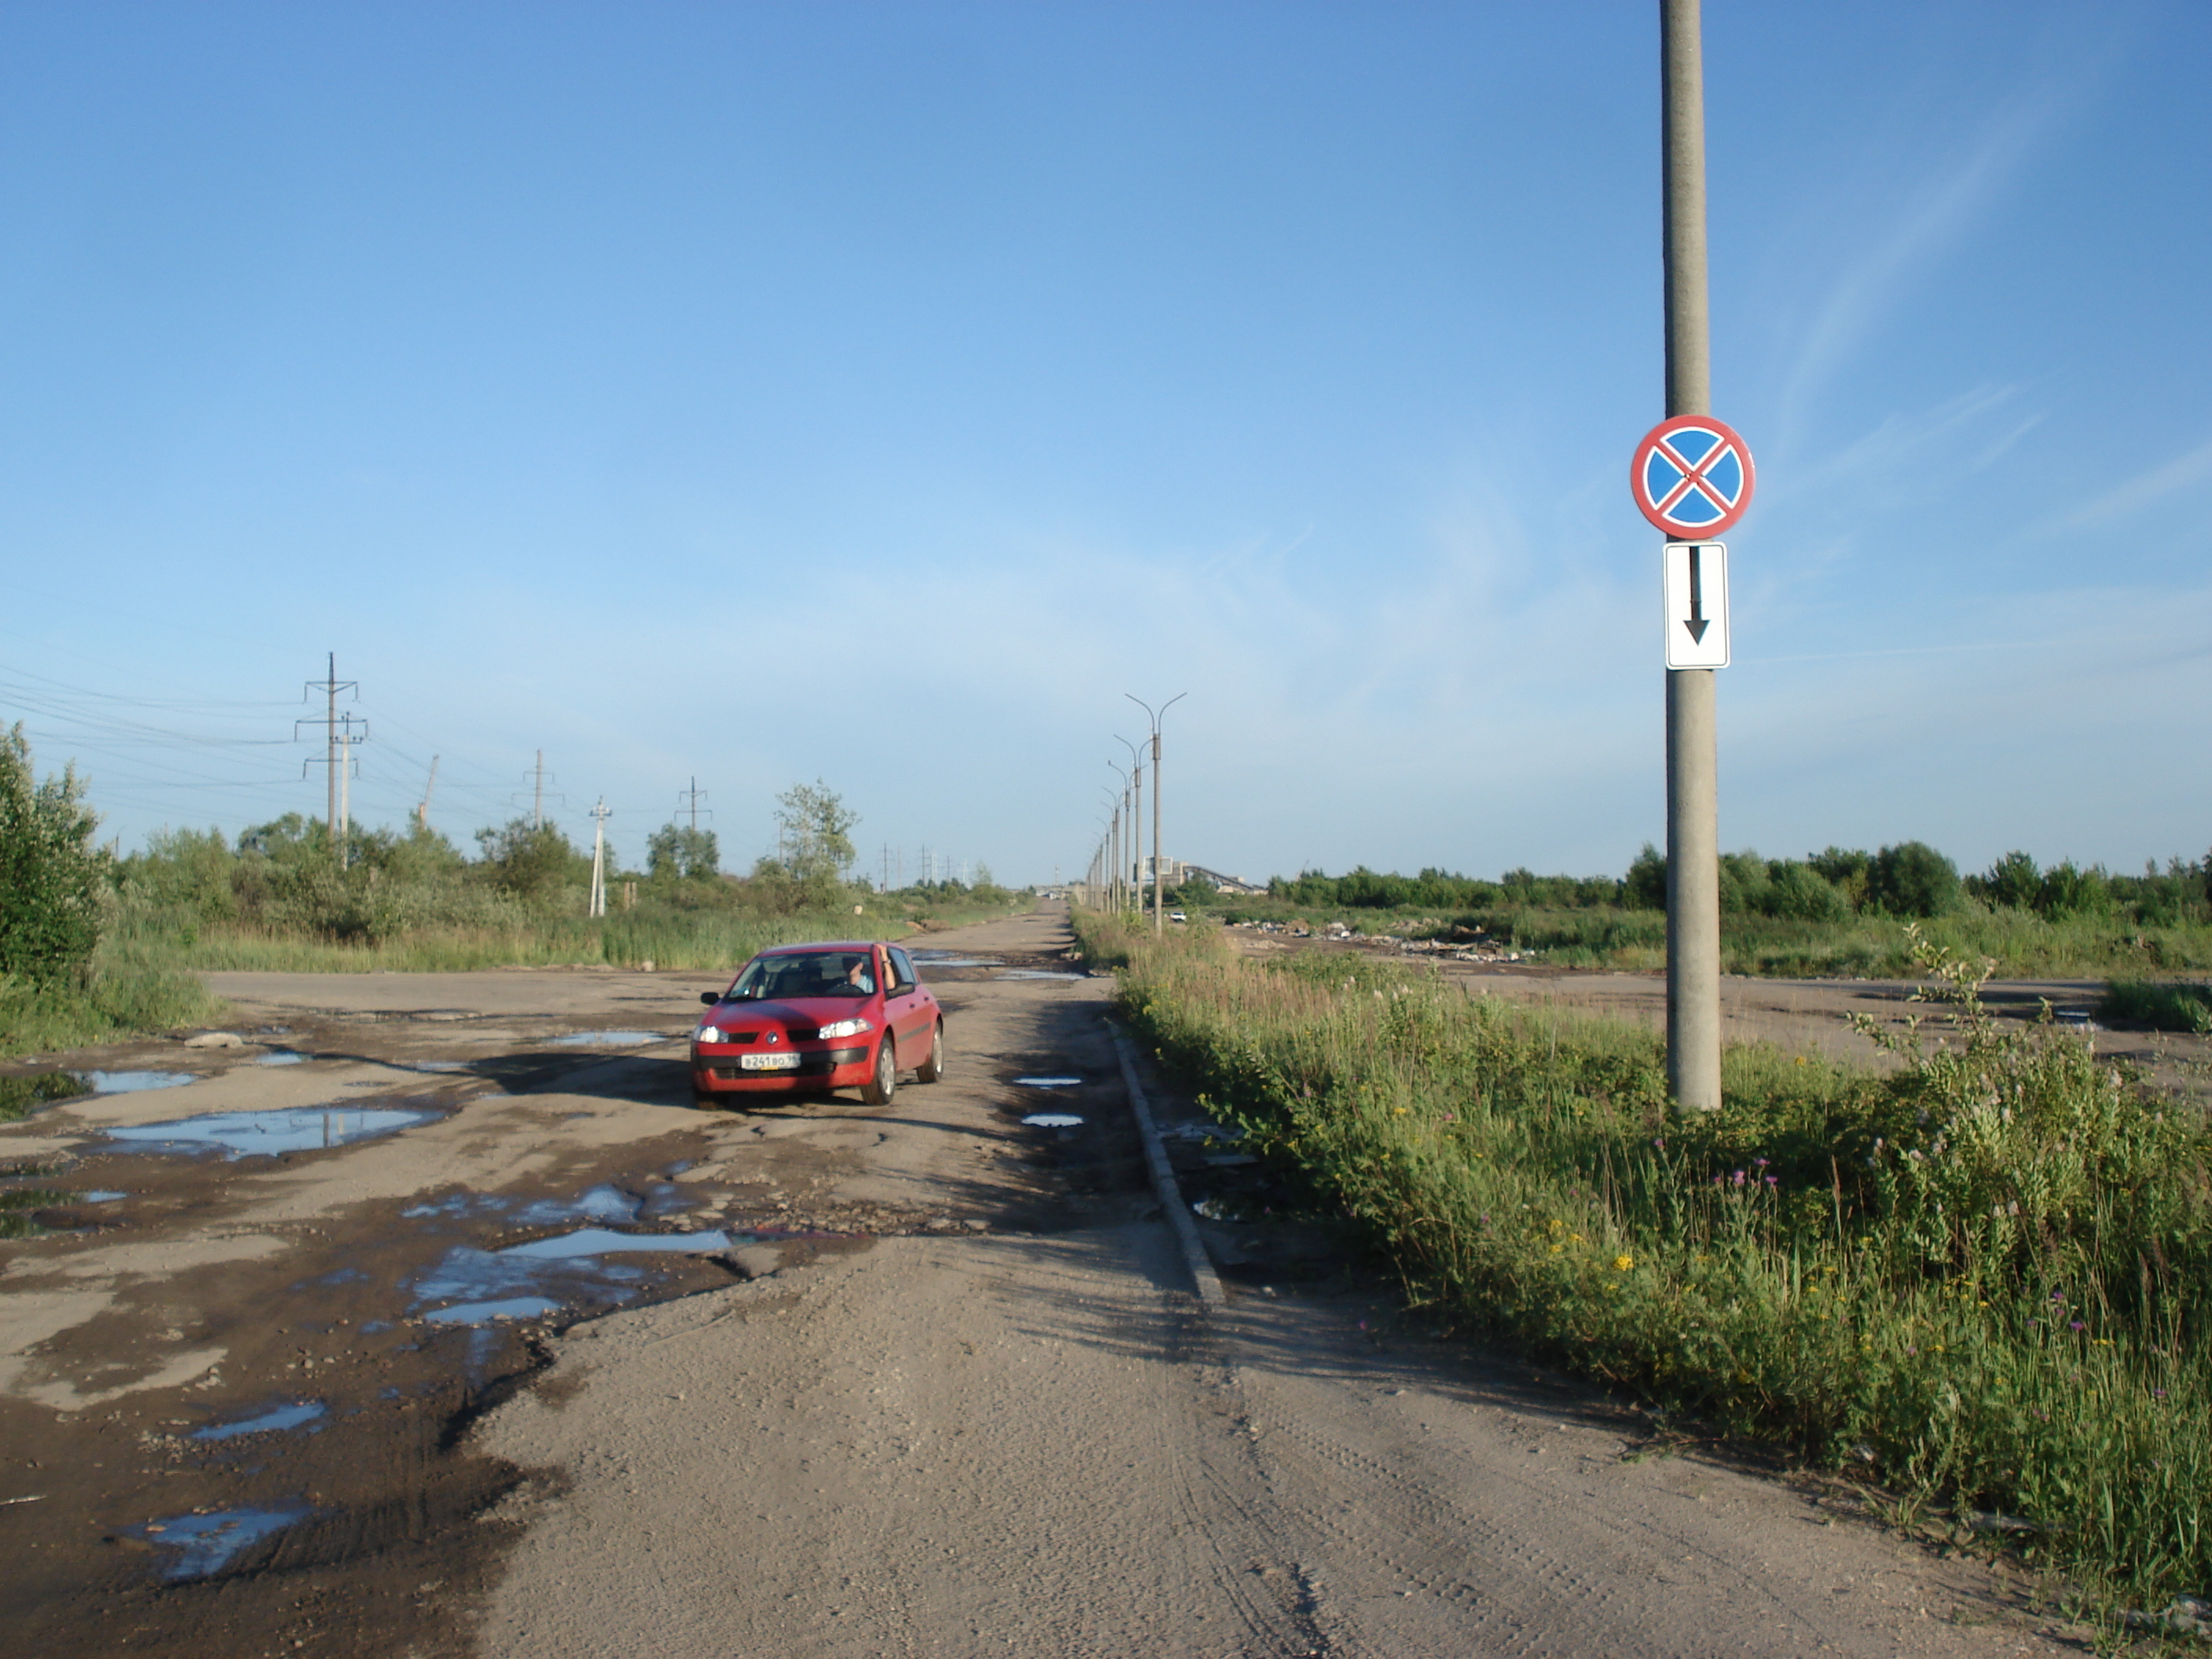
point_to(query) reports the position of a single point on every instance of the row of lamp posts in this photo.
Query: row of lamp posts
(1117, 869)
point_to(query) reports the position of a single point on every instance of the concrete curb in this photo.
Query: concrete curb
(1208, 1282)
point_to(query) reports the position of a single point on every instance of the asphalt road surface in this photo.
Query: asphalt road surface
(926, 1379)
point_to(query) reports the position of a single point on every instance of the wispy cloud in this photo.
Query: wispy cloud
(1930, 217)
(2178, 474)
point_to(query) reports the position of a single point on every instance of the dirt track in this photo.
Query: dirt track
(946, 1391)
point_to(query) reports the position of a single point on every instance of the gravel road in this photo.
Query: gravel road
(927, 1379)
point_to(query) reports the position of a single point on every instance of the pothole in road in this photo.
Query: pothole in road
(608, 1039)
(282, 1057)
(478, 1287)
(300, 1413)
(1053, 1120)
(947, 959)
(127, 1083)
(1039, 973)
(205, 1543)
(249, 1134)
(1049, 1082)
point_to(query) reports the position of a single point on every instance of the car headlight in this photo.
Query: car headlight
(708, 1034)
(852, 1027)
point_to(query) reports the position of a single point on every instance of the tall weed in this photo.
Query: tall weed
(1989, 1274)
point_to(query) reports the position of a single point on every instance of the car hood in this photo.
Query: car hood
(803, 1013)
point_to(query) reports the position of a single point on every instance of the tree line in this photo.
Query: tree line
(1910, 879)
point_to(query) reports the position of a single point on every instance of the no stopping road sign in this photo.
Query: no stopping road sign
(1692, 477)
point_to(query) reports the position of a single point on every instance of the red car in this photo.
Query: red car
(802, 1018)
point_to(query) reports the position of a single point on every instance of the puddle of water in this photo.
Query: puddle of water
(125, 1082)
(1048, 1082)
(205, 1543)
(1038, 973)
(928, 959)
(372, 1328)
(1200, 1132)
(438, 1065)
(1053, 1120)
(607, 1039)
(282, 1057)
(483, 1286)
(293, 1416)
(601, 1203)
(597, 1240)
(243, 1134)
(101, 1195)
(483, 1313)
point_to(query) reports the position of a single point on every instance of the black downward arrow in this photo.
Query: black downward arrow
(1696, 624)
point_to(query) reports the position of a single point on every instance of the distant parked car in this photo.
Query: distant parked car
(806, 1018)
(1177, 916)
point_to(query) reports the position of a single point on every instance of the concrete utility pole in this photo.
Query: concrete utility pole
(599, 816)
(1159, 912)
(1693, 895)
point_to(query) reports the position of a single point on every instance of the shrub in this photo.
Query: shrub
(1912, 879)
(52, 879)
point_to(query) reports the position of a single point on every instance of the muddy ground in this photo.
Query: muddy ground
(921, 1379)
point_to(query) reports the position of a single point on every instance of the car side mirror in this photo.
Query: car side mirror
(710, 998)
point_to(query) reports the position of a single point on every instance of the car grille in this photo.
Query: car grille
(818, 1065)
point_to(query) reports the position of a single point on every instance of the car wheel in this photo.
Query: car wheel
(932, 1068)
(878, 1091)
(705, 1100)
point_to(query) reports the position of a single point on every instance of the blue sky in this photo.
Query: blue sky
(877, 392)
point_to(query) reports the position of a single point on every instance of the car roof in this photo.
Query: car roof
(819, 945)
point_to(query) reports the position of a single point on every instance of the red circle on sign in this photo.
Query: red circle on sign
(1692, 477)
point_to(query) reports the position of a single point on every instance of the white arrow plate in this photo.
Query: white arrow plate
(1696, 589)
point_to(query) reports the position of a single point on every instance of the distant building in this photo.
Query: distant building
(1179, 873)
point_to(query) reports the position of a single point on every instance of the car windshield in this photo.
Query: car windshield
(805, 974)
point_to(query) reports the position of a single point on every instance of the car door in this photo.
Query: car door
(905, 1009)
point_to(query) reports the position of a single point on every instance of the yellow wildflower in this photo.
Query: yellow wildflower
(1622, 1263)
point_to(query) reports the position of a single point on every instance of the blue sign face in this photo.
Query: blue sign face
(1692, 477)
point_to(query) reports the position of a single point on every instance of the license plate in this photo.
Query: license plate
(785, 1062)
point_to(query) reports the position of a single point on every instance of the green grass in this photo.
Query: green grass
(670, 938)
(1990, 1273)
(124, 998)
(2169, 1007)
(2024, 945)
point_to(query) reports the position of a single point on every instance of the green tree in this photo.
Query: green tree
(2013, 879)
(534, 862)
(814, 848)
(1912, 879)
(677, 853)
(1646, 886)
(814, 830)
(51, 876)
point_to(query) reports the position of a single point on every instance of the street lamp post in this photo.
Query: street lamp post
(1159, 915)
(1136, 814)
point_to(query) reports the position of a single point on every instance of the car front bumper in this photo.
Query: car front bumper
(817, 1068)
